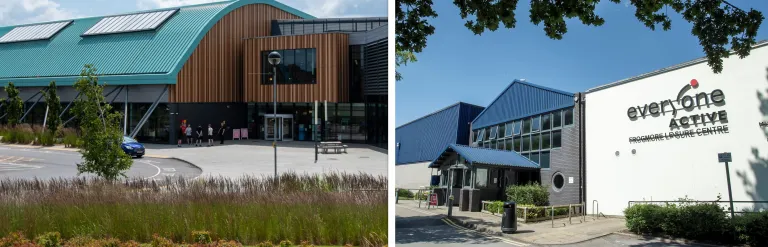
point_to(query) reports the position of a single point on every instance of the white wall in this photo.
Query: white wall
(669, 169)
(412, 176)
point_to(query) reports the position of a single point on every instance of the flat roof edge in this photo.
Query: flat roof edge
(664, 70)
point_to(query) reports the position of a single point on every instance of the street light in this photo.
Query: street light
(274, 59)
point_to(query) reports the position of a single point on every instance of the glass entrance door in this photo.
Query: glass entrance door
(284, 131)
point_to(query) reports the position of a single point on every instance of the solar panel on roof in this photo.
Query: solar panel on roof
(130, 23)
(34, 32)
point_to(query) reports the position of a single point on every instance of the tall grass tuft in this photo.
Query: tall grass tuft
(333, 209)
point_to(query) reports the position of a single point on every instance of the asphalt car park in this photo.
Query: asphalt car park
(30, 163)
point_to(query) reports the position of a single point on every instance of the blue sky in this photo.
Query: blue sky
(14, 12)
(457, 65)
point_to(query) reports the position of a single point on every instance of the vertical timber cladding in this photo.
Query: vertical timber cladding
(332, 67)
(214, 71)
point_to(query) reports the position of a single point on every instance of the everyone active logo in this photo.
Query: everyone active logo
(682, 105)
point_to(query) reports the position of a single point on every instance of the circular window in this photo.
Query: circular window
(558, 181)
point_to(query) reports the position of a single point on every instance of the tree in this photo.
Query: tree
(715, 22)
(14, 104)
(100, 127)
(54, 108)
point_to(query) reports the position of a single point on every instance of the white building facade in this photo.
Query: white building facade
(657, 136)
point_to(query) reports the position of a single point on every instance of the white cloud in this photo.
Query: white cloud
(156, 4)
(14, 12)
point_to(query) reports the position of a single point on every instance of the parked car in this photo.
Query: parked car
(132, 147)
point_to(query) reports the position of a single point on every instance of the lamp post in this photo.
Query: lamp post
(274, 59)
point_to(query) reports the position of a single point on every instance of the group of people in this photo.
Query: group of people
(196, 136)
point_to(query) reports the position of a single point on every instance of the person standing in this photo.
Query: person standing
(183, 133)
(222, 130)
(210, 135)
(189, 134)
(199, 132)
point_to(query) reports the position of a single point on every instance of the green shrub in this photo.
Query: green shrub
(201, 237)
(644, 218)
(532, 193)
(286, 243)
(495, 207)
(49, 239)
(45, 139)
(404, 193)
(265, 244)
(751, 228)
(705, 221)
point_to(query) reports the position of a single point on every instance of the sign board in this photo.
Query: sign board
(724, 157)
(570, 180)
(433, 200)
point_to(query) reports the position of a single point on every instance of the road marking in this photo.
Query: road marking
(461, 228)
(169, 169)
(149, 162)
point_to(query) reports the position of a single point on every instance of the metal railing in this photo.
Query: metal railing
(522, 213)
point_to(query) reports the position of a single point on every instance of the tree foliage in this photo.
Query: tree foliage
(14, 104)
(100, 126)
(54, 108)
(716, 23)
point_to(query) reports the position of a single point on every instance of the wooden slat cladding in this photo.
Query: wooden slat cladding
(214, 71)
(332, 63)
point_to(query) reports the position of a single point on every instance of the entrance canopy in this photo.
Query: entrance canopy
(477, 155)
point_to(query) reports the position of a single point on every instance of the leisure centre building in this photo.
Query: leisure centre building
(652, 137)
(207, 63)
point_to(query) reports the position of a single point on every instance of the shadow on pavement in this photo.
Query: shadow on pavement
(431, 229)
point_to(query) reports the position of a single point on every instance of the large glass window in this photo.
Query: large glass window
(480, 135)
(536, 127)
(535, 157)
(546, 141)
(546, 121)
(556, 139)
(568, 116)
(544, 160)
(526, 143)
(527, 126)
(508, 129)
(297, 67)
(517, 127)
(535, 142)
(493, 144)
(481, 178)
(467, 178)
(494, 129)
(508, 144)
(501, 130)
(487, 134)
(557, 119)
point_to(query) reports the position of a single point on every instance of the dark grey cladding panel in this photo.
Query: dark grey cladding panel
(136, 94)
(362, 38)
(375, 68)
(565, 160)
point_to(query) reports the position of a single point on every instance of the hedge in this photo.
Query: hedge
(532, 193)
(698, 221)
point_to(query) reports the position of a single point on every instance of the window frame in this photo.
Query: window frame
(566, 118)
(534, 120)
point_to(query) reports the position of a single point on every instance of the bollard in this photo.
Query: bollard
(450, 206)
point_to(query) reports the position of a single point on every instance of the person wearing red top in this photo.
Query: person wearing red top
(183, 132)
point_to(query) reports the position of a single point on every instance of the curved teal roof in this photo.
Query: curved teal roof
(122, 59)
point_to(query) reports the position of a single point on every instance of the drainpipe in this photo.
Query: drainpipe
(582, 148)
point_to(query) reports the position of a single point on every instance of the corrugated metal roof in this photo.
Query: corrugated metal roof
(487, 156)
(127, 58)
(421, 140)
(521, 99)
(759, 44)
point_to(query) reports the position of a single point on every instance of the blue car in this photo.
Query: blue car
(132, 147)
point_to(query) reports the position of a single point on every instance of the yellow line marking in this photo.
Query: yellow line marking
(507, 241)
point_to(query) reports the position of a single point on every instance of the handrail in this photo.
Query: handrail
(593, 208)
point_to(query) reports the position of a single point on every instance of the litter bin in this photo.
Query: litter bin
(509, 219)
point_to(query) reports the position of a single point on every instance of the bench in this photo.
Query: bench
(336, 146)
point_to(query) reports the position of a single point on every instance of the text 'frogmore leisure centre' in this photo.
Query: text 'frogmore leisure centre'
(680, 134)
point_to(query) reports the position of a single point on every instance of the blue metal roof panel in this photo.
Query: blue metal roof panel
(521, 99)
(489, 156)
(423, 139)
(163, 51)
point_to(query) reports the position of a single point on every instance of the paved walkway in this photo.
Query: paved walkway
(541, 233)
(256, 157)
